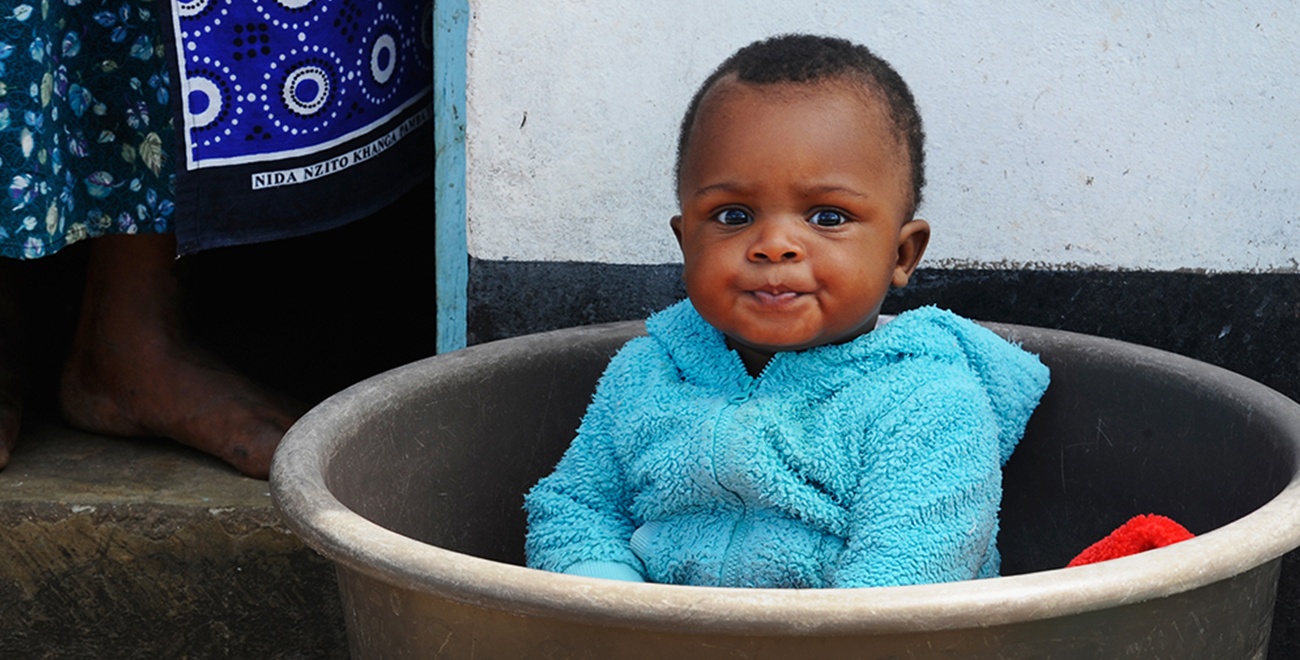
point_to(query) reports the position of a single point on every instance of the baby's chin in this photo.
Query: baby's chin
(770, 345)
(769, 348)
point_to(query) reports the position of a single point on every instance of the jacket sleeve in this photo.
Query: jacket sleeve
(926, 509)
(1013, 379)
(578, 516)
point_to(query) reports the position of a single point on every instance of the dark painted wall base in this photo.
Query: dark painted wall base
(512, 298)
(1249, 324)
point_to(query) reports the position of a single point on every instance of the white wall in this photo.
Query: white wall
(1061, 135)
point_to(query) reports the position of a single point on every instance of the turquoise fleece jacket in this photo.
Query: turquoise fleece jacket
(872, 463)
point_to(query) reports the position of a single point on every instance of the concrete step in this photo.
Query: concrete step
(114, 548)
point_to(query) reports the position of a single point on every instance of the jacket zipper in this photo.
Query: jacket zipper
(740, 526)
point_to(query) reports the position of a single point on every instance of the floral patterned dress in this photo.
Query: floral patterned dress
(85, 126)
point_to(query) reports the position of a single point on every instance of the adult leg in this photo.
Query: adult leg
(131, 371)
(13, 384)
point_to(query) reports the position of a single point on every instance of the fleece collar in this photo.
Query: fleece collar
(701, 354)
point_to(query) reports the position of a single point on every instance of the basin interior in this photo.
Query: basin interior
(1122, 430)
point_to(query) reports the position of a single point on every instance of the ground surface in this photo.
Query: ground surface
(113, 548)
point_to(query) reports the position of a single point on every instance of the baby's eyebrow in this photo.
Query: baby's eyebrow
(724, 186)
(810, 190)
(830, 188)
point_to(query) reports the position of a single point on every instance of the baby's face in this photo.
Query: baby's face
(794, 214)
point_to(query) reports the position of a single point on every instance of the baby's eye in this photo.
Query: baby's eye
(732, 217)
(828, 219)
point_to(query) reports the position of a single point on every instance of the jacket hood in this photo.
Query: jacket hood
(1014, 378)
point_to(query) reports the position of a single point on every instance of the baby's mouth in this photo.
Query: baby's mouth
(775, 297)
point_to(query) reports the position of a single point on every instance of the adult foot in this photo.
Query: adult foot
(126, 389)
(131, 372)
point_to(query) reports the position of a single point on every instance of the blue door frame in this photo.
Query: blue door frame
(451, 255)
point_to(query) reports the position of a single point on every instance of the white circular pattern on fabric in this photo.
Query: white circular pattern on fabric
(322, 68)
(381, 72)
(210, 90)
(191, 8)
(297, 81)
(390, 42)
(301, 18)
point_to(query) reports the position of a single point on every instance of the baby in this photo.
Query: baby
(766, 433)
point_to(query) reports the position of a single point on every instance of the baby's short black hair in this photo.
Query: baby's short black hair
(802, 58)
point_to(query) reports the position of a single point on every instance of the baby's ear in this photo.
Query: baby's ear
(912, 239)
(676, 224)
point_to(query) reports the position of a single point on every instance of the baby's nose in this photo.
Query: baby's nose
(776, 241)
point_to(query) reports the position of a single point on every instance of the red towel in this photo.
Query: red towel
(1140, 534)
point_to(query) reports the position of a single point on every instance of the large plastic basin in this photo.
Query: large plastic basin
(412, 483)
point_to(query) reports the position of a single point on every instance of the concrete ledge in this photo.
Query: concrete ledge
(113, 548)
